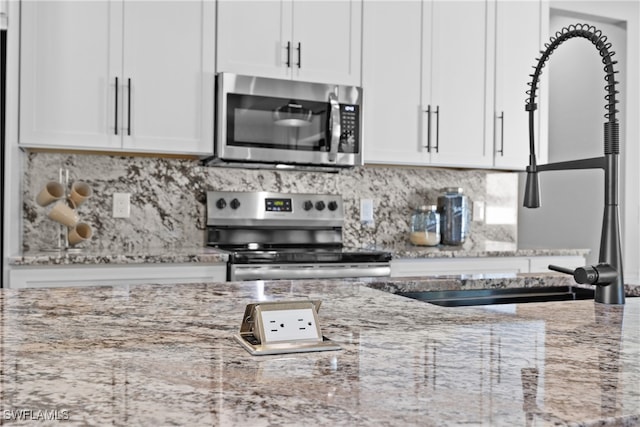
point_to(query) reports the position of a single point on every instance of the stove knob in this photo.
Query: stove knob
(221, 204)
(320, 205)
(307, 205)
(333, 205)
(235, 204)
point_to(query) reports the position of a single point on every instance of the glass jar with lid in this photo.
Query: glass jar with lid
(453, 207)
(425, 226)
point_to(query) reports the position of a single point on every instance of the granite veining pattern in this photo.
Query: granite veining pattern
(117, 255)
(203, 254)
(478, 249)
(153, 355)
(168, 198)
(464, 282)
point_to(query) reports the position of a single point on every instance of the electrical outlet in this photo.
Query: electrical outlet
(478, 211)
(121, 205)
(290, 325)
(366, 212)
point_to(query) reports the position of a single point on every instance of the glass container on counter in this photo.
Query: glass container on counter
(453, 207)
(425, 226)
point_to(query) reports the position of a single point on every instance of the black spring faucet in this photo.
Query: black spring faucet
(607, 275)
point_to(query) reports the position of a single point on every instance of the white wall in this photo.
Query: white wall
(572, 201)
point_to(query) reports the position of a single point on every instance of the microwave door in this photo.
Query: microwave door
(280, 121)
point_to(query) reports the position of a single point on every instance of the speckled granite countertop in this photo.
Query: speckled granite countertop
(480, 281)
(150, 355)
(90, 256)
(484, 249)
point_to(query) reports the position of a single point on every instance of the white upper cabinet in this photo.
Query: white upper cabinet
(169, 58)
(391, 79)
(67, 84)
(458, 97)
(254, 38)
(454, 76)
(317, 41)
(327, 37)
(520, 35)
(118, 75)
(424, 73)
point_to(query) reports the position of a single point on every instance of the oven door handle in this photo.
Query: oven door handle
(334, 126)
(306, 271)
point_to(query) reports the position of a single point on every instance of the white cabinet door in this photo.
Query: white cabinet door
(252, 38)
(392, 101)
(168, 76)
(317, 41)
(518, 42)
(455, 266)
(327, 41)
(69, 54)
(482, 265)
(82, 275)
(454, 82)
(424, 83)
(83, 64)
(541, 264)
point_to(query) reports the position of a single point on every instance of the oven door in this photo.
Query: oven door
(288, 122)
(239, 272)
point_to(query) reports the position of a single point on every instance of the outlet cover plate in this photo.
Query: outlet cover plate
(121, 205)
(366, 212)
(282, 327)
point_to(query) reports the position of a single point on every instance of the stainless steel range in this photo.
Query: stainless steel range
(286, 236)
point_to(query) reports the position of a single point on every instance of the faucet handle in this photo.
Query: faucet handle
(601, 274)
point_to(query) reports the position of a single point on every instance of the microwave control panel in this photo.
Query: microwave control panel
(350, 127)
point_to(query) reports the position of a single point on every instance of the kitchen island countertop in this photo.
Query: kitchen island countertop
(165, 355)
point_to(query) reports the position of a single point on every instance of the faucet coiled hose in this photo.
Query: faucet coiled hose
(599, 40)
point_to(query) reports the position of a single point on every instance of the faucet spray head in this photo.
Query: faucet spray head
(532, 187)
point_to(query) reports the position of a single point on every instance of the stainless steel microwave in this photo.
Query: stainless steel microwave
(272, 121)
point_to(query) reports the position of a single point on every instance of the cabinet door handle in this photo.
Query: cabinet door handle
(501, 118)
(437, 113)
(289, 54)
(428, 112)
(128, 106)
(299, 54)
(115, 122)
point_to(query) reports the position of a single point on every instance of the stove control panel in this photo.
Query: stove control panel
(232, 208)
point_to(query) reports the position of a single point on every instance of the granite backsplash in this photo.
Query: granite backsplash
(168, 198)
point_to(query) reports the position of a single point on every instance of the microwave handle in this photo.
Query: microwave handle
(334, 126)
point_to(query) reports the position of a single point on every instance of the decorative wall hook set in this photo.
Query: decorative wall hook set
(61, 207)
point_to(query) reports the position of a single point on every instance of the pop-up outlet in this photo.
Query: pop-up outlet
(287, 325)
(278, 327)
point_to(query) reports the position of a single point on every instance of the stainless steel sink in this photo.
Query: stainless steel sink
(501, 296)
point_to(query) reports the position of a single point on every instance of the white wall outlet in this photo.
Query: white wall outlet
(121, 205)
(366, 212)
(290, 325)
(478, 211)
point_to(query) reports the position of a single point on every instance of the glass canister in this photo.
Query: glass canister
(425, 226)
(453, 207)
